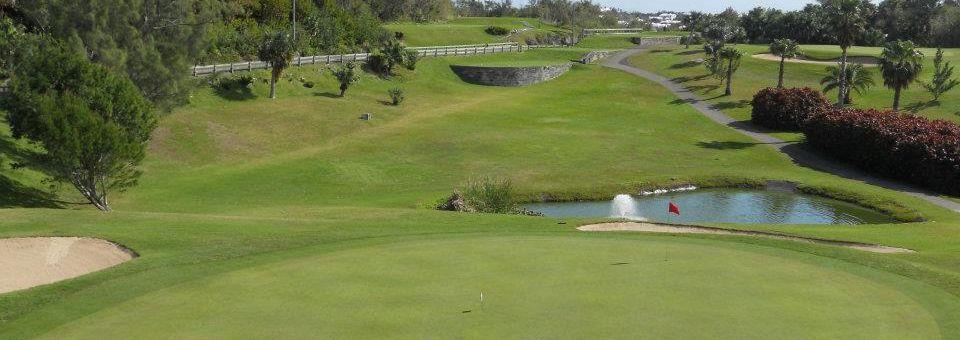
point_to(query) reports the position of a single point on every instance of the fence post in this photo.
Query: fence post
(194, 70)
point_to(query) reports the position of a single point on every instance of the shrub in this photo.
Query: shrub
(786, 109)
(232, 83)
(915, 149)
(490, 196)
(410, 59)
(497, 30)
(346, 75)
(396, 96)
(377, 63)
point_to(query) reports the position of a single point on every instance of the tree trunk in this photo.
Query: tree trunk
(783, 61)
(343, 90)
(273, 83)
(842, 87)
(896, 99)
(729, 77)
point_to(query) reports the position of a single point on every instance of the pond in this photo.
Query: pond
(721, 206)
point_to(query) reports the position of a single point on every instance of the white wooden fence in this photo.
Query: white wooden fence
(433, 51)
(650, 41)
(599, 31)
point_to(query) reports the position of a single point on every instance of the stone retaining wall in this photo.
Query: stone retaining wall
(509, 76)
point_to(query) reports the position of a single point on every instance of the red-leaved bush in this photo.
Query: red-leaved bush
(918, 150)
(786, 109)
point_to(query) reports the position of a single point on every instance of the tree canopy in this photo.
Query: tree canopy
(93, 124)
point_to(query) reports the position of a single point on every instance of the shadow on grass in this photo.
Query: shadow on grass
(690, 52)
(660, 50)
(680, 101)
(327, 95)
(687, 64)
(736, 104)
(718, 145)
(685, 79)
(234, 93)
(13, 194)
(704, 89)
(920, 106)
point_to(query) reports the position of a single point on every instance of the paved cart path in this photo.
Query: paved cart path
(795, 151)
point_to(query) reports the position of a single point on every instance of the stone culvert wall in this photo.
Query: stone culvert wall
(509, 76)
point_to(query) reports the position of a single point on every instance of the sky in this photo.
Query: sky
(701, 5)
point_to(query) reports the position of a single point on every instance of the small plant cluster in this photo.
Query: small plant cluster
(497, 30)
(346, 76)
(232, 83)
(786, 108)
(393, 54)
(485, 195)
(922, 151)
(396, 96)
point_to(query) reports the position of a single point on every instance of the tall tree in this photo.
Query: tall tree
(848, 23)
(858, 78)
(693, 22)
(943, 80)
(277, 49)
(732, 57)
(900, 64)
(784, 48)
(93, 124)
(154, 42)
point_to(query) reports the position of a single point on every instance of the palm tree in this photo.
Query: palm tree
(732, 56)
(784, 48)
(847, 21)
(900, 64)
(277, 49)
(858, 78)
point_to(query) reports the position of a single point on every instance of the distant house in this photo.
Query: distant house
(664, 21)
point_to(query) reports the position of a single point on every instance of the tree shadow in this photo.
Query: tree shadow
(718, 145)
(660, 50)
(680, 101)
(705, 89)
(690, 52)
(685, 79)
(687, 64)
(736, 104)
(13, 194)
(920, 106)
(234, 90)
(327, 94)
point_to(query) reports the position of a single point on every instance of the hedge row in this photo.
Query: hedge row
(787, 108)
(915, 149)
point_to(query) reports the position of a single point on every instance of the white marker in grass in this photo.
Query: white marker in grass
(481, 297)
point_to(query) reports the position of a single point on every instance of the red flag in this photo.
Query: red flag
(673, 209)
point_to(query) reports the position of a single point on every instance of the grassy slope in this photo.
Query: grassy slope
(230, 179)
(616, 42)
(755, 74)
(463, 31)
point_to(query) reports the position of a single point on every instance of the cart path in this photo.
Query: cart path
(796, 152)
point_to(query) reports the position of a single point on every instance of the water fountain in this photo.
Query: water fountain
(624, 207)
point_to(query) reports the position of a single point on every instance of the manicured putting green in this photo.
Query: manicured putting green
(533, 287)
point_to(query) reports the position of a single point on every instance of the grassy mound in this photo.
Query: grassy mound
(534, 287)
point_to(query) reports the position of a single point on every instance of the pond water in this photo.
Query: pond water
(722, 206)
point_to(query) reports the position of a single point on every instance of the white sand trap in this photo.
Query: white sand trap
(682, 229)
(34, 261)
(866, 61)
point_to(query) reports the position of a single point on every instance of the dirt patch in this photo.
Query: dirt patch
(866, 61)
(34, 261)
(684, 229)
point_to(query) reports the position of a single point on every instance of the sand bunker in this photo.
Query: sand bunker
(681, 229)
(34, 261)
(866, 61)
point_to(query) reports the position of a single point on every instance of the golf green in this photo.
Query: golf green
(580, 286)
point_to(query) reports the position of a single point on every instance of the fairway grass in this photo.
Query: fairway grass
(534, 287)
(248, 205)
(754, 74)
